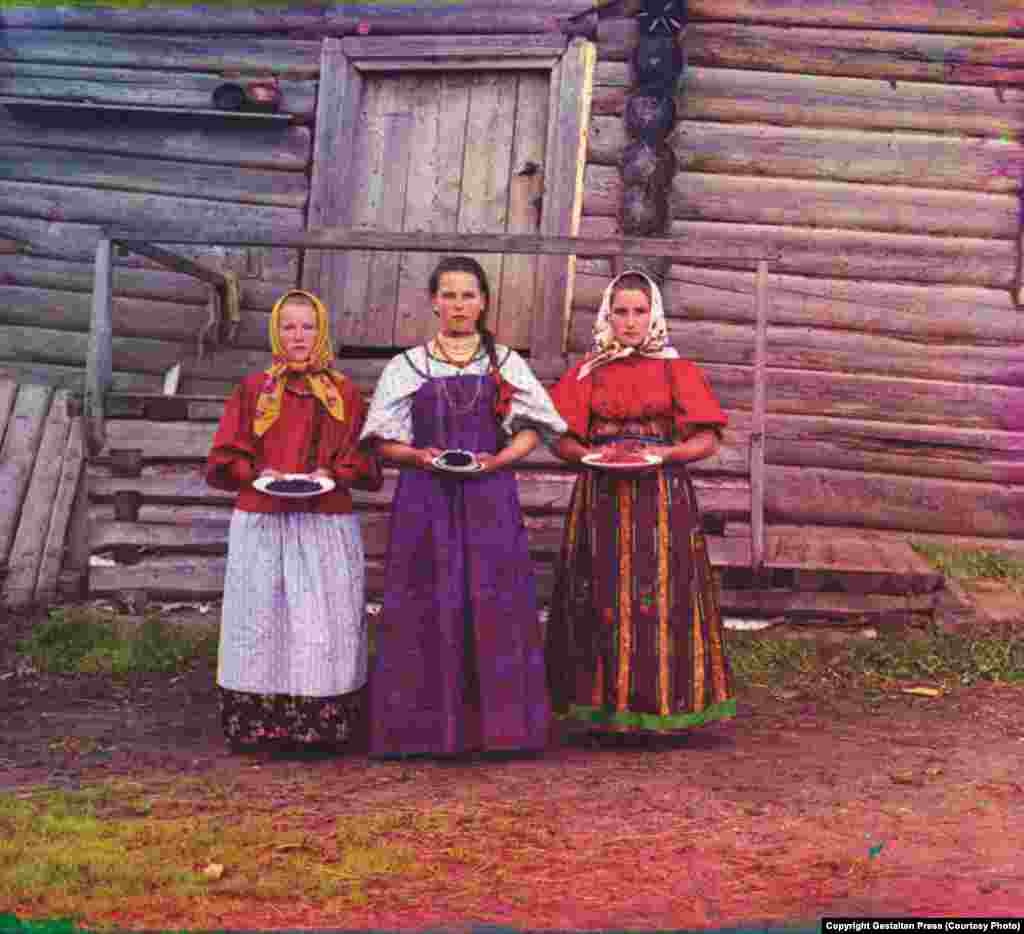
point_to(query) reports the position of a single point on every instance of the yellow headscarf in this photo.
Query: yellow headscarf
(323, 381)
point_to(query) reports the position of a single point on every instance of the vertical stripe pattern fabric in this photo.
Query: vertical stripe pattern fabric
(635, 640)
(293, 618)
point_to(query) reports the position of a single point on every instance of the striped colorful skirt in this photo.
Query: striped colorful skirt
(635, 641)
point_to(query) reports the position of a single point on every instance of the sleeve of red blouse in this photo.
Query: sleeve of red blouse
(354, 465)
(231, 463)
(695, 403)
(571, 397)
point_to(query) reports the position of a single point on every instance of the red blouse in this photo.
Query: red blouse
(238, 456)
(638, 388)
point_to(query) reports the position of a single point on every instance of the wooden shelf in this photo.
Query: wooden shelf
(255, 116)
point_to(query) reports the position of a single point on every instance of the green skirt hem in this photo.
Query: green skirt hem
(600, 716)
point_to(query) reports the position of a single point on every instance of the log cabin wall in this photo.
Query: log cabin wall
(65, 170)
(872, 154)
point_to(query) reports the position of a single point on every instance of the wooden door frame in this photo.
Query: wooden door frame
(570, 63)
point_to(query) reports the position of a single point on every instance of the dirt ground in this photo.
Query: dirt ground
(807, 804)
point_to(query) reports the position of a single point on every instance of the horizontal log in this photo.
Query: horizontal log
(291, 57)
(857, 53)
(805, 100)
(802, 203)
(136, 87)
(1009, 546)
(851, 444)
(736, 96)
(132, 354)
(831, 254)
(873, 398)
(367, 49)
(143, 318)
(808, 603)
(470, 17)
(339, 238)
(855, 254)
(808, 348)
(992, 17)
(74, 241)
(925, 313)
(982, 17)
(130, 282)
(85, 205)
(192, 440)
(924, 160)
(163, 136)
(540, 493)
(73, 377)
(124, 173)
(809, 495)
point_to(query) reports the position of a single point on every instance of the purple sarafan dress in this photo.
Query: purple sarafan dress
(459, 647)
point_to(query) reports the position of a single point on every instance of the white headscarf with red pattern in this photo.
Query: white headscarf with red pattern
(607, 348)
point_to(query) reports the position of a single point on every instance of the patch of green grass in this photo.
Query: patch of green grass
(969, 564)
(963, 657)
(65, 853)
(81, 640)
(758, 659)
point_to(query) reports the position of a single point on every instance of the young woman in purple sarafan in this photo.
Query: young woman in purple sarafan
(459, 650)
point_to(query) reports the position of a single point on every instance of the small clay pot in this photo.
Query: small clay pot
(228, 97)
(263, 95)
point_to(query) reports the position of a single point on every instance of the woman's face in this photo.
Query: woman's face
(459, 302)
(630, 316)
(297, 330)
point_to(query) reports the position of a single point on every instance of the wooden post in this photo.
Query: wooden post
(757, 434)
(99, 363)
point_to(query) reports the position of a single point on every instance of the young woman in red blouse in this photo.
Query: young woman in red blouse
(635, 639)
(293, 653)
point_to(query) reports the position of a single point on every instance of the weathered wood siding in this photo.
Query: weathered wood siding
(878, 168)
(64, 172)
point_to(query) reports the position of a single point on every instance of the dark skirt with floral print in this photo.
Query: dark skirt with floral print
(254, 720)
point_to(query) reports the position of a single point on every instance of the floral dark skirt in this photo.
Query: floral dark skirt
(255, 720)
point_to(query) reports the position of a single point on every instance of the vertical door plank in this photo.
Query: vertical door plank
(569, 121)
(339, 106)
(17, 456)
(388, 198)
(367, 160)
(483, 207)
(519, 271)
(440, 113)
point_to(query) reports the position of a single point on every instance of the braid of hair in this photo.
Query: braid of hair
(487, 339)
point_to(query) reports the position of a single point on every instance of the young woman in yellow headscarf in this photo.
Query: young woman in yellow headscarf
(293, 654)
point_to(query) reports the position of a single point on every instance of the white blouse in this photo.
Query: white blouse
(390, 415)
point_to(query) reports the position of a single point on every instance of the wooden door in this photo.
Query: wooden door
(446, 145)
(451, 153)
